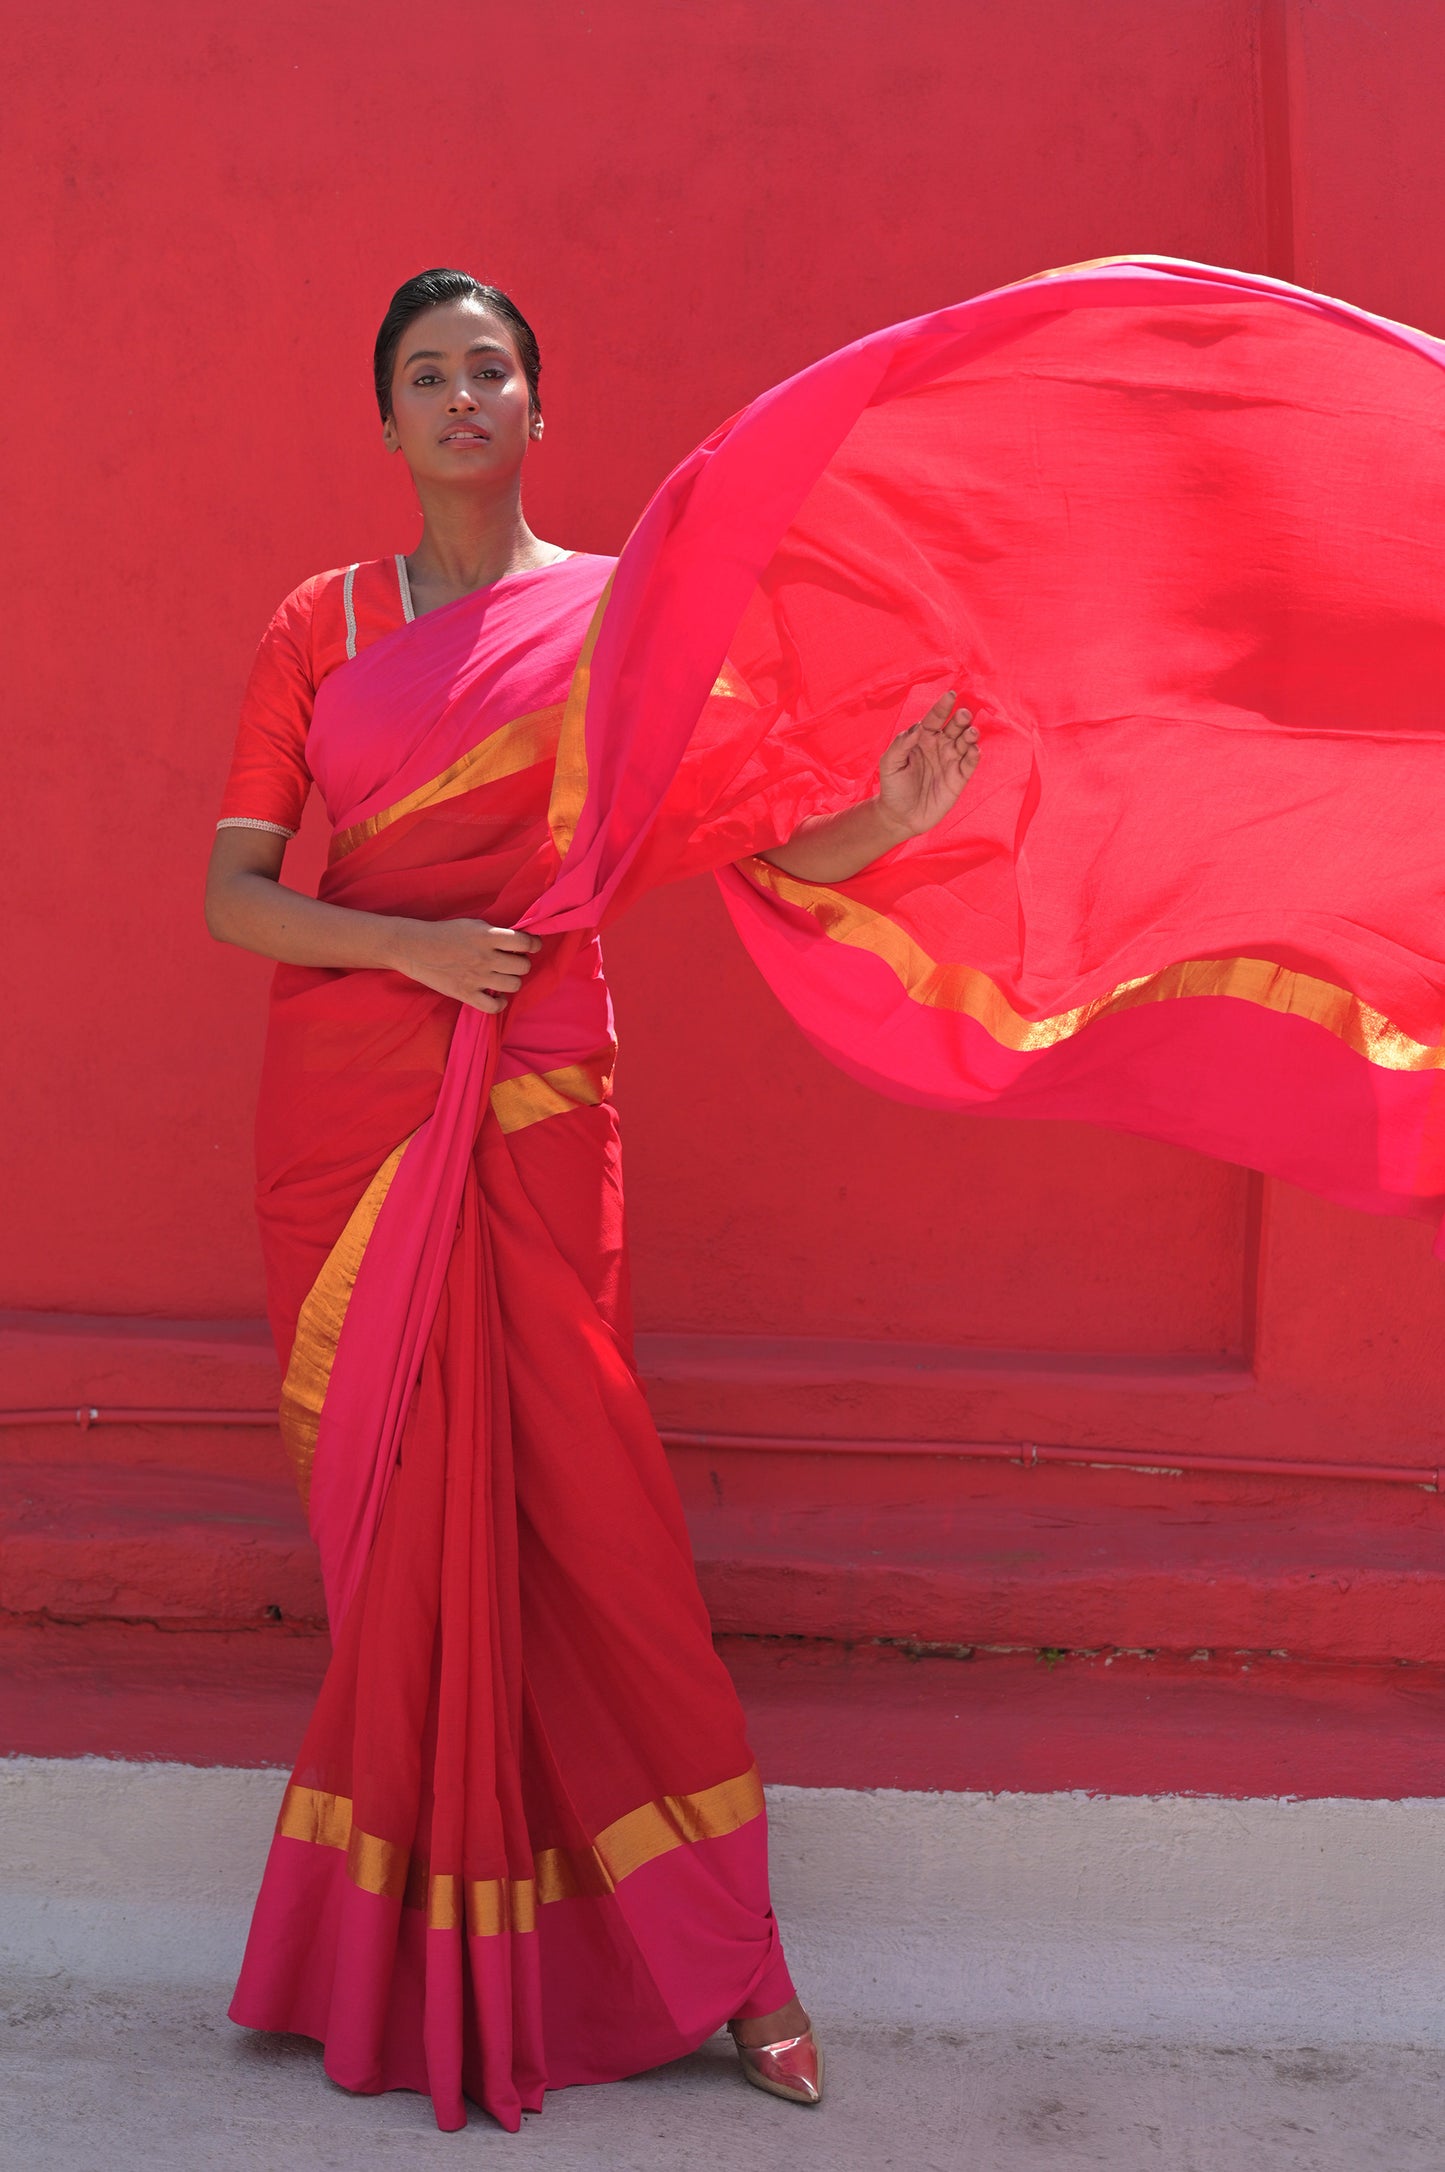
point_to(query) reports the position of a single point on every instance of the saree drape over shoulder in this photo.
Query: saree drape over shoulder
(1174, 533)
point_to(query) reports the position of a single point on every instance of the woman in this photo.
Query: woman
(524, 1843)
(1177, 530)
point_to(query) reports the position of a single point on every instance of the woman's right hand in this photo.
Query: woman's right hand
(469, 960)
(247, 903)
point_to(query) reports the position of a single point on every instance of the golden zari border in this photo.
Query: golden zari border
(957, 987)
(487, 1906)
(521, 744)
(319, 1325)
(569, 783)
(730, 685)
(536, 1095)
(516, 1103)
(569, 779)
(1085, 264)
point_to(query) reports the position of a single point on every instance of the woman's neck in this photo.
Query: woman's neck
(467, 542)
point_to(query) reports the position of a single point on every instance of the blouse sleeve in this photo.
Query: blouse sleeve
(269, 779)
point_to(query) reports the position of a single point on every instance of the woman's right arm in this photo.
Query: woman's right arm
(248, 904)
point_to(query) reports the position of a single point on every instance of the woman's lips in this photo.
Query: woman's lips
(466, 437)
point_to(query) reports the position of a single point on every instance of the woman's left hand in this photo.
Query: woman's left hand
(926, 767)
(919, 778)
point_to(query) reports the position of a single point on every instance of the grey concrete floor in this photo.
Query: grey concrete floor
(111, 2081)
(1005, 1984)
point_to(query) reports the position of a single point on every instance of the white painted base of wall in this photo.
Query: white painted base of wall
(951, 1944)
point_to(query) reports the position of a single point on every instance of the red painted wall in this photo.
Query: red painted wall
(209, 206)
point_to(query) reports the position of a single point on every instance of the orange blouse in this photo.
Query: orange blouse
(321, 624)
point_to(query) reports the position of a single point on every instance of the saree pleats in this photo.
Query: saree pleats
(523, 1843)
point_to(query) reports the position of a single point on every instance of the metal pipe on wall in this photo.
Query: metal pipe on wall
(1027, 1454)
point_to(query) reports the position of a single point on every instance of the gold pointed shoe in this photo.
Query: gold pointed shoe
(792, 2068)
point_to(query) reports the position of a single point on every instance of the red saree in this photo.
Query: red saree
(523, 1844)
(1174, 533)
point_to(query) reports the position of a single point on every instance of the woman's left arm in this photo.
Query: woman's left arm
(919, 779)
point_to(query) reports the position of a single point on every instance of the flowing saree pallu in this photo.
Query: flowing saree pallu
(524, 1842)
(1175, 533)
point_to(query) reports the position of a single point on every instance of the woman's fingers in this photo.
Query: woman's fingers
(946, 716)
(897, 751)
(471, 961)
(944, 724)
(923, 771)
(504, 957)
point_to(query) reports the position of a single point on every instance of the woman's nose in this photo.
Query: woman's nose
(461, 395)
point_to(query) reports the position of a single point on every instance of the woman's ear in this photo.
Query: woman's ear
(535, 427)
(389, 437)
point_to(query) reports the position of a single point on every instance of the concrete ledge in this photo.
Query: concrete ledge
(1169, 1917)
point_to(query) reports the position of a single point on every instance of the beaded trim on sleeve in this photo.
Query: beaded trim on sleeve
(249, 822)
(348, 589)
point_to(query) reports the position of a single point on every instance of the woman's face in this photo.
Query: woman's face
(459, 405)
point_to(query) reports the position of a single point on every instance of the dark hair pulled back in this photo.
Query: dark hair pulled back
(425, 292)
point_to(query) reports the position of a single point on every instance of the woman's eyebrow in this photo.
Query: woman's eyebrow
(434, 354)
